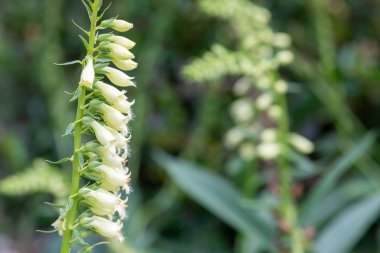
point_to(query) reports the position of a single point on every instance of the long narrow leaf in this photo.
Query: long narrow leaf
(338, 199)
(328, 182)
(218, 196)
(343, 233)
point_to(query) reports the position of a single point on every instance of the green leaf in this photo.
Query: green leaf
(89, 12)
(69, 129)
(69, 63)
(80, 28)
(103, 60)
(48, 231)
(54, 205)
(338, 200)
(304, 168)
(63, 160)
(344, 232)
(329, 180)
(81, 159)
(85, 43)
(248, 244)
(218, 196)
(104, 11)
(76, 95)
(99, 66)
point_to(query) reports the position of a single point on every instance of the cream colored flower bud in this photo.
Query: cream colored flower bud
(121, 25)
(117, 77)
(59, 224)
(242, 110)
(88, 74)
(116, 98)
(125, 64)
(119, 52)
(269, 135)
(104, 227)
(109, 92)
(102, 202)
(102, 134)
(111, 116)
(268, 151)
(275, 112)
(281, 40)
(264, 101)
(302, 144)
(233, 138)
(263, 82)
(247, 151)
(122, 41)
(285, 57)
(114, 118)
(281, 86)
(107, 154)
(242, 86)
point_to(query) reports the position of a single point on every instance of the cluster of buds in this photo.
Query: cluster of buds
(257, 110)
(106, 113)
(255, 115)
(260, 53)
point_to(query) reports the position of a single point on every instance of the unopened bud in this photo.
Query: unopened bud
(117, 77)
(88, 74)
(117, 24)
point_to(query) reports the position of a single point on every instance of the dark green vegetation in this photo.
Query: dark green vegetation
(204, 205)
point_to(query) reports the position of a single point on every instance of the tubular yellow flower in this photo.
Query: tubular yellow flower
(114, 178)
(113, 118)
(104, 227)
(118, 78)
(114, 97)
(103, 202)
(107, 154)
(123, 105)
(58, 224)
(88, 74)
(120, 140)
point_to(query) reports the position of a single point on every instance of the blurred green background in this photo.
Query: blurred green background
(336, 77)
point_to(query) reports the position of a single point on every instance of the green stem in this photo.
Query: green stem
(75, 179)
(287, 208)
(251, 181)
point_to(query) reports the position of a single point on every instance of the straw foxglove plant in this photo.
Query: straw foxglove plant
(261, 130)
(104, 112)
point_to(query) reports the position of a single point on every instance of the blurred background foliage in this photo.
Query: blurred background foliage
(192, 200)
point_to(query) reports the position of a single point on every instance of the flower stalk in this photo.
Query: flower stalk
(288, 209)
(75, 179)
(104, 112)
